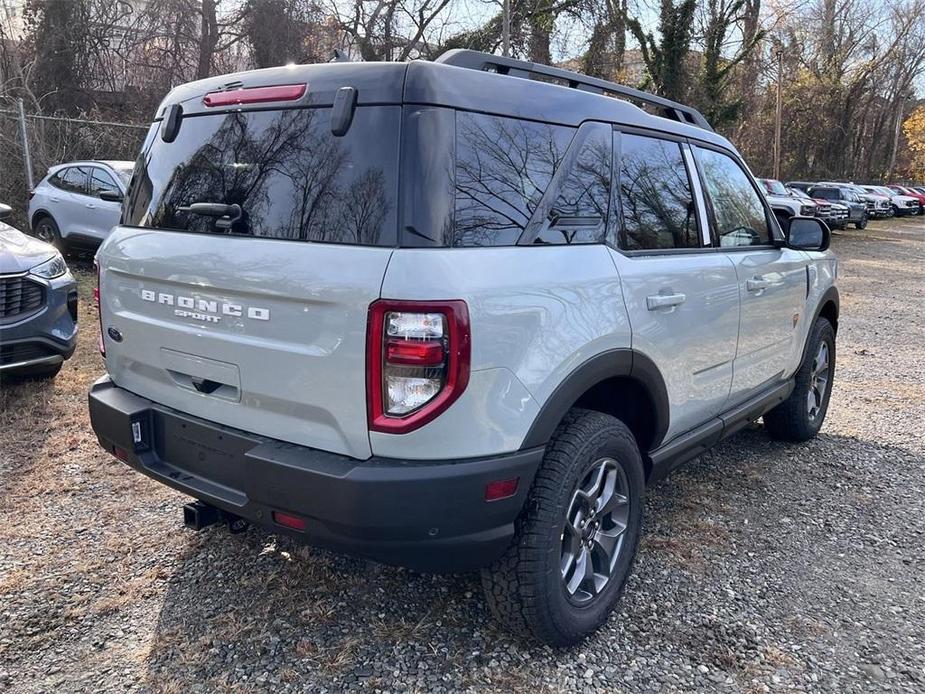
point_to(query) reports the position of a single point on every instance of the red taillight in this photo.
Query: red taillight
(408, 353)
(255, 95)
(99, 312)
(289, 521)
(418, 356)
(501, 489)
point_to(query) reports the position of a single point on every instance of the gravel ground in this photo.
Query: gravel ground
(765, 566)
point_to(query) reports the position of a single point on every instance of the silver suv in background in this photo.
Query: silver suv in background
(446, 316)
(78, 203)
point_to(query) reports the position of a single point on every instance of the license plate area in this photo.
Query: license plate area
(207, 452)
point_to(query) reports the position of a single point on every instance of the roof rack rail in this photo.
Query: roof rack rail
(476, 60)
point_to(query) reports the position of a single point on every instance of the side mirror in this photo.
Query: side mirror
(5, 211)
(111, 196)
(808, 234)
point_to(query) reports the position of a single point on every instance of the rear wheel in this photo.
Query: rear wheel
(46, 229)
(576, 541)
(800, 416)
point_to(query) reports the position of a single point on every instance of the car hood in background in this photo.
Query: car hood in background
(19, 252)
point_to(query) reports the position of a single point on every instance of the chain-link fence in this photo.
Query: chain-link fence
(31, 143)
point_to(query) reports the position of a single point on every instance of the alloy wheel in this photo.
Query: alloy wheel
(44, 232)
(595, 524)
(819, 381)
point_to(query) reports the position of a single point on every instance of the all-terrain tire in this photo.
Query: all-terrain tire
(525, 589)
(794, 419)
(862, 224)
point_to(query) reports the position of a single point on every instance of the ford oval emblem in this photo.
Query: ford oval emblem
(114, 334)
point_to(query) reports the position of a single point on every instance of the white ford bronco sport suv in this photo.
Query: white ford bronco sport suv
(449, 316)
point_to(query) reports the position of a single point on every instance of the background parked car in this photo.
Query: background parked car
(38, 305)
(902, 204)
(878, 205)
(800, 185)
(824, 209)
(857, 208)
(77, 204)
(912, 193)
(784, 204)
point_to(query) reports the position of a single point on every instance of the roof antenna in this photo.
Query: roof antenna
(339, 56)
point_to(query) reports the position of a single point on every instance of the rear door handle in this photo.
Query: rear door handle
(757, 284)
(657, 301)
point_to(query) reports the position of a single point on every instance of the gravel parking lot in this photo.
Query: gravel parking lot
(765, 566)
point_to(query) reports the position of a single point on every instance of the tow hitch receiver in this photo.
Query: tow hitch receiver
(199, 515)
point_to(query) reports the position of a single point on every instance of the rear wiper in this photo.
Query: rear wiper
(227, 214)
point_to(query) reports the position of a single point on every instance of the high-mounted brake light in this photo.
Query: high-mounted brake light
(255, 95)
(418, 355)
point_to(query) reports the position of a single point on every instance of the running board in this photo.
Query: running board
(669, 456)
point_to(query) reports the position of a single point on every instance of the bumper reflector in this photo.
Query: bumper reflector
(501, 489)
(289, 521)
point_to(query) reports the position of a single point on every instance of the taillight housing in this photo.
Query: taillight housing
(99, 312)
(418, 356)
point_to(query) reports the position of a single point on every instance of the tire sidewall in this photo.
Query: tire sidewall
(579, 620)
(822, 331)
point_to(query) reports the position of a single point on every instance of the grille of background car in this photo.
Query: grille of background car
(19, 296)
(23, 351)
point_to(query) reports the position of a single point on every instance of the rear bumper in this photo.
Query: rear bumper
(425, 515)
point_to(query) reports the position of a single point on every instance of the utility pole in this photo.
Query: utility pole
(779, 110)
(506, 28)
(24, 134)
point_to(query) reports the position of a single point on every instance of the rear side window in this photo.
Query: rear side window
(739, 214)
(582, 198)
(503, 166)
(292, 178)
(655, 196)
(72, 179)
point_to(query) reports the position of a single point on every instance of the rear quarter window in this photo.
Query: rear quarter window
(291, 176)
(503, 166)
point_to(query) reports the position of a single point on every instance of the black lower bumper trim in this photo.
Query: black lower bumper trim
(425, 515)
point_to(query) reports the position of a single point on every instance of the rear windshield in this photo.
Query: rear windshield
(292, 178)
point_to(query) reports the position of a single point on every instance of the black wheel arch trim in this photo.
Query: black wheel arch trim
(39, 213)
(610, 364)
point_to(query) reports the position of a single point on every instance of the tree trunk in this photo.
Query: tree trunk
(208, 39)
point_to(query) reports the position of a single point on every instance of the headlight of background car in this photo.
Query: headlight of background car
(55, 267)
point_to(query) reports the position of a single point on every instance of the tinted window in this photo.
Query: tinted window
(655, 196)
(737, 208)
(503, 166)
(579, 212)
(71, 179)
(826, 193)
(100, 181)
(292, 178)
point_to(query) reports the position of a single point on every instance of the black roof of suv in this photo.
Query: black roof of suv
(468, 80)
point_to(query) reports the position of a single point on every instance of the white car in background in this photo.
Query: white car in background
(77, 203)
(902, 204)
